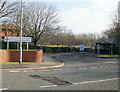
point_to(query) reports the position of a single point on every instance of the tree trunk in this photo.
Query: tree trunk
(35, 42)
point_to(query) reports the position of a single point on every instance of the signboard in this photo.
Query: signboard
(17, 39)
(82, 47)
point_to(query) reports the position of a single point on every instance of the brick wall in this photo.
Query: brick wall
(13, 56)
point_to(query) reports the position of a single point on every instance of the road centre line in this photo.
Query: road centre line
(95, 81)
(57, 69)
(93, 67)
(82, 68)
(103, 66)
(70, 69)
(111, 62)
(48, 86)
(44, 70)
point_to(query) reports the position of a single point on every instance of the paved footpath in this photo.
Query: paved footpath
(48, 62)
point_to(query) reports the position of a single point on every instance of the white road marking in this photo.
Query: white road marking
(93, 67)
(48, 86)
(3, 89)
(31, 70)
(57, 69)
(95, 81)
(82, 68)
(103, 66)
(111, 62)
(44, 70)
(70, 69)
(79, 68)
(14, 71)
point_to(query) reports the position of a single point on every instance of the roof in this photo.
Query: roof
(3, 26)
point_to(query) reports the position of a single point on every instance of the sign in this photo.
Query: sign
(82, 47)
(17, 39)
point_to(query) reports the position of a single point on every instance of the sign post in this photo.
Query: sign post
(7, 45)
(27, 46)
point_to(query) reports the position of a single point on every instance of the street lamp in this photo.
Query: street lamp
(111, 41)
(21, 33)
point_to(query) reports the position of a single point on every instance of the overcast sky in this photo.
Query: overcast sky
(85, 16)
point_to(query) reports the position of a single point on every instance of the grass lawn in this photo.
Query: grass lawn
(108, 56)
(11, 63)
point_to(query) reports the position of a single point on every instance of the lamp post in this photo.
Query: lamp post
(20, 61)
(111, 41)
(119, 11)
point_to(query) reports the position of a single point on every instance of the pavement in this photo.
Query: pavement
(48, 62)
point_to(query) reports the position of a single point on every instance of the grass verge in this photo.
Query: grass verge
(112, 56)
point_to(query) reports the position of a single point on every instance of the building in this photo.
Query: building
(7, 30)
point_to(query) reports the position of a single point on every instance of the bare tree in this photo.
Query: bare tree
(7, 8)
(60, 36)
(39, 19)
(86, 39)
(114, 32)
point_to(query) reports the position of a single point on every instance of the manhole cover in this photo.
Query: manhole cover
(53, 80)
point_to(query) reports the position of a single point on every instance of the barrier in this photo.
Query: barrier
(13, 56)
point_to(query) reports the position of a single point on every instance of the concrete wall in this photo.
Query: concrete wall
(13, 56)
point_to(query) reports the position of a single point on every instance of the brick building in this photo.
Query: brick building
(7, 30)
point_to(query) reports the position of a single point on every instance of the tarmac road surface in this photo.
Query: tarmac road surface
(81, 72)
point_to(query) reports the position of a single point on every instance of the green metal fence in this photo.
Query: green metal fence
(13, 45)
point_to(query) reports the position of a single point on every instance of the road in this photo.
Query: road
(81, 72)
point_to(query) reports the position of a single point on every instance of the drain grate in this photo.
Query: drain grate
(53, 80)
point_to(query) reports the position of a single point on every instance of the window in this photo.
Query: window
(3, 30)
(10, 30)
